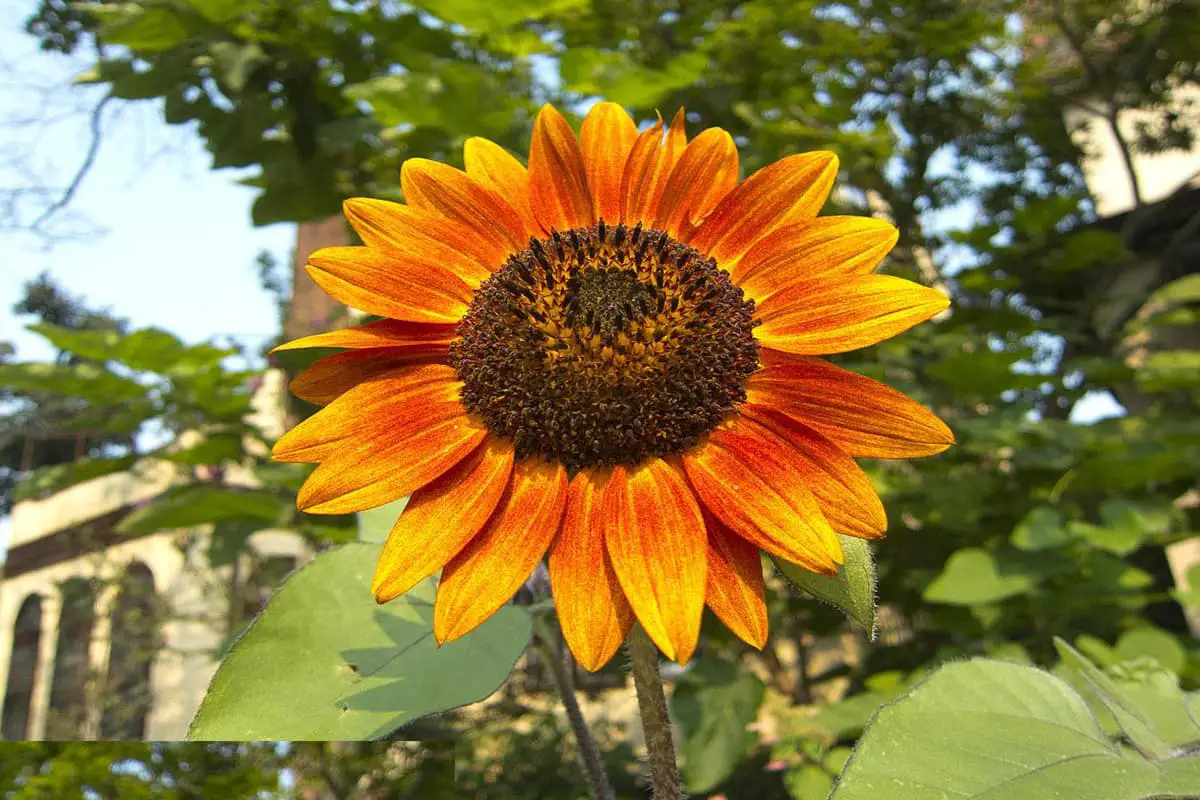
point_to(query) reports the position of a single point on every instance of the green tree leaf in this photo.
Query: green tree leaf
(85, 381)
(1040, 529)
(989, 729)
(138, 27)
(200, 504)
(713, 704)
(974, 576)
(323, 661)
(853, 590)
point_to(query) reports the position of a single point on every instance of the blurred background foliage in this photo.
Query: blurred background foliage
(949, 117)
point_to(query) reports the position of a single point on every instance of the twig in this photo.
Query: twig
(89, 159)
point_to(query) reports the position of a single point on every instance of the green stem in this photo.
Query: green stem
(558, 658)
(656, 722)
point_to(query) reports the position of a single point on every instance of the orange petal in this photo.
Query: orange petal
(390, 284)
(499, 170)
(488, 571)
(607, 136)
(558, 186)
(328, 378)
(655, 537)
(381, 333)
(705, 173)
(441, 518)
(841, 314)
(843, 491)
(818, 248)
(425, 236)
(594, 614)
(381, 440)
(743, 474)
(735, 584)
(861, 416)
(796, 185)
(463, 200)
(648, 167)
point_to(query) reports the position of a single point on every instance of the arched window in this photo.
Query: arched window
(136, 620)
(22, 669)
(69, 686)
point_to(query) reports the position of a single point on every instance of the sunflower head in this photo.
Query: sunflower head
(608, 357)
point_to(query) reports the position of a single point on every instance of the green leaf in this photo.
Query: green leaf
(85, 381)
(375, 524)
(323, 661)
(1040, 529)
(138, 27)
(1155, 643)
(1106, 691)
(1181, 290)
(853, 590)
(615, 76)
(234, 63)
(1170, 369)
(988, 729)
(47, 480)
(713, 704)
(973, 576)
(488, 16)
(149, 349)
(199, 504)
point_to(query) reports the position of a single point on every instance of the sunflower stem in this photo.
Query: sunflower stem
(656, 722)
(561, 666)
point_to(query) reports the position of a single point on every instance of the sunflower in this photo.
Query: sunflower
(608, 356)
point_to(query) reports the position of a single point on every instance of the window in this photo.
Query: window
(69, 685)
(136, 619)
(22, 669)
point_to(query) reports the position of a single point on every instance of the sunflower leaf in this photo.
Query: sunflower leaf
(942, 740)
(323, 661)
(853, 590)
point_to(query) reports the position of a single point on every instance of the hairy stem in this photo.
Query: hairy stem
(561, 666)
(664, 771)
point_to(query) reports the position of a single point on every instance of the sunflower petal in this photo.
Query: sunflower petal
(328, 378)
(656, 539)
(381, 333)
(390, 284)
(558, 186)
(814, 249)
(442, 517)
(381, 440)
(706, 172)
(843, 491)
(862, 416)
(735, 584)
(838, 315)
(744, 476)
(607, 136)
(593, 612)
(486, 573)
(499, 170)
(649, 167)
(464, 201)
(424, 236)
(794, 186)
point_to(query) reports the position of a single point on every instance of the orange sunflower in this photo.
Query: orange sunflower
(608, 356)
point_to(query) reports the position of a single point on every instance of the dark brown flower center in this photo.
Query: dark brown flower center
(604, 346)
